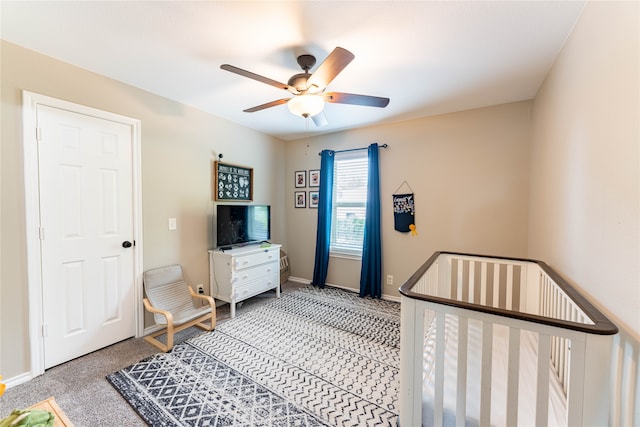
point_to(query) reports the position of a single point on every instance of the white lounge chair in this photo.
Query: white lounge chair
(171, 301)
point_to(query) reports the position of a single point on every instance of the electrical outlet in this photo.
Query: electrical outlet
(389, 279)
(200, 289)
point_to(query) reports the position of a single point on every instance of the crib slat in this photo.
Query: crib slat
(485, 375)
(524, 289)
(472, 282)
(483, 283)
(496, 285)
(459, 284)
(513, 376)
(509, 301)
(564, 363)
(411, 357)
(576, 383)
(461, 390)
(543, 296)
(542, 384)
(438, 387)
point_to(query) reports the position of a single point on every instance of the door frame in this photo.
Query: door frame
(30, 102)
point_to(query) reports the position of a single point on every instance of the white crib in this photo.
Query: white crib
(499, 341)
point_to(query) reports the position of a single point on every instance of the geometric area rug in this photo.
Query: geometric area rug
(314, 357)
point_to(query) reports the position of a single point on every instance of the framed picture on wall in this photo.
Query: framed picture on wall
(300, 199)
(314, 197)
(314, 178)
(232, 182)
(301, 179)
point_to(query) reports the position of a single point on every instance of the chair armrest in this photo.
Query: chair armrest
(152, 309)
(207, 298)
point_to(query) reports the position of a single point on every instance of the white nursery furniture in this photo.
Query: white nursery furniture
(500, 341)
(243, 272)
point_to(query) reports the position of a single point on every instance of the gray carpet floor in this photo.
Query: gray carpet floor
(80, 388)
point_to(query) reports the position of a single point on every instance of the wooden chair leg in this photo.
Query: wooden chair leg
(206, 327)
(151, 339)
(170, 336)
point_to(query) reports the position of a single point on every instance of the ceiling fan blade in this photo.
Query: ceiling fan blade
(329, 69)
(259, 78)
(267, 105)
(352, 98)
(320, 119)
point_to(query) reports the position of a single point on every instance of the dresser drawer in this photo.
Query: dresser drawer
(250, 274)
(251, 260)
(255, 287)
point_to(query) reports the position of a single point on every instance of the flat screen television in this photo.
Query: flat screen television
(242, 224)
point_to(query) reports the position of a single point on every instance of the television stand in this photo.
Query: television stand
(239, 273)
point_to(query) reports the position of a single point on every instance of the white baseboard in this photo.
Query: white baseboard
(299, 280)
(17, 380)
(307, 281)
(151, 329)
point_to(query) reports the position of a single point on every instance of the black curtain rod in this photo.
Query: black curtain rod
(354, 149)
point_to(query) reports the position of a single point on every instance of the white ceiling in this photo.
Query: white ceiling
(428, 57)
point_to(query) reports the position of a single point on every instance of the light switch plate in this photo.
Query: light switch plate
(172, 224)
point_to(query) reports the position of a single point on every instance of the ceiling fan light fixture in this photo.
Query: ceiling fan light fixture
(306, 105)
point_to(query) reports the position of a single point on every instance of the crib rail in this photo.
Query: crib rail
(525, 296)
(512, 287)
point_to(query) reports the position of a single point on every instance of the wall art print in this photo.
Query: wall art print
(300, 179)
(300, 199)
(314, 199)
(232, 182)
(314, 178)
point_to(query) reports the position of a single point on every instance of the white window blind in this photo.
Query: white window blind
(349, 202)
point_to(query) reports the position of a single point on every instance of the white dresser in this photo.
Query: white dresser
(240, 273)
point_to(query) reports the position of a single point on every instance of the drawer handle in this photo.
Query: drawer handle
(237, 262)
(244, 277)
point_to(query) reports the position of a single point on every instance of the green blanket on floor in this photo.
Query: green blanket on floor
(28, 418)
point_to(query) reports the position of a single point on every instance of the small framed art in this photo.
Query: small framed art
(300, 199)
(314, 198)
(314, 178)
(301, 179)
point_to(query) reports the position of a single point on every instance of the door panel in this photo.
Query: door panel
(85, 166)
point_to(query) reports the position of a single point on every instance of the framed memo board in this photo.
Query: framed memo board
(232, 182)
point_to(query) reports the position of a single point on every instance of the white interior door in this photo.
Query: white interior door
(86, 214)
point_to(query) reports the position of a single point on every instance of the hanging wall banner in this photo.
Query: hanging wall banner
(403, 212)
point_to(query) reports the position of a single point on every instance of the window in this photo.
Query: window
(349, 202)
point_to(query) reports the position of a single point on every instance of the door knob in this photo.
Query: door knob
(126, 244)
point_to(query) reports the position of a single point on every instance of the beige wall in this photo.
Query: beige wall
(585, 161)
(585, 180)
(469, 173)
(178, 145)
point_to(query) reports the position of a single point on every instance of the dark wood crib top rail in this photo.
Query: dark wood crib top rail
(601, 323)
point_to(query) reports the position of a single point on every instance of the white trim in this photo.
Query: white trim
(17, 380)
(152, 329)
(346, 288)
(30, 101)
